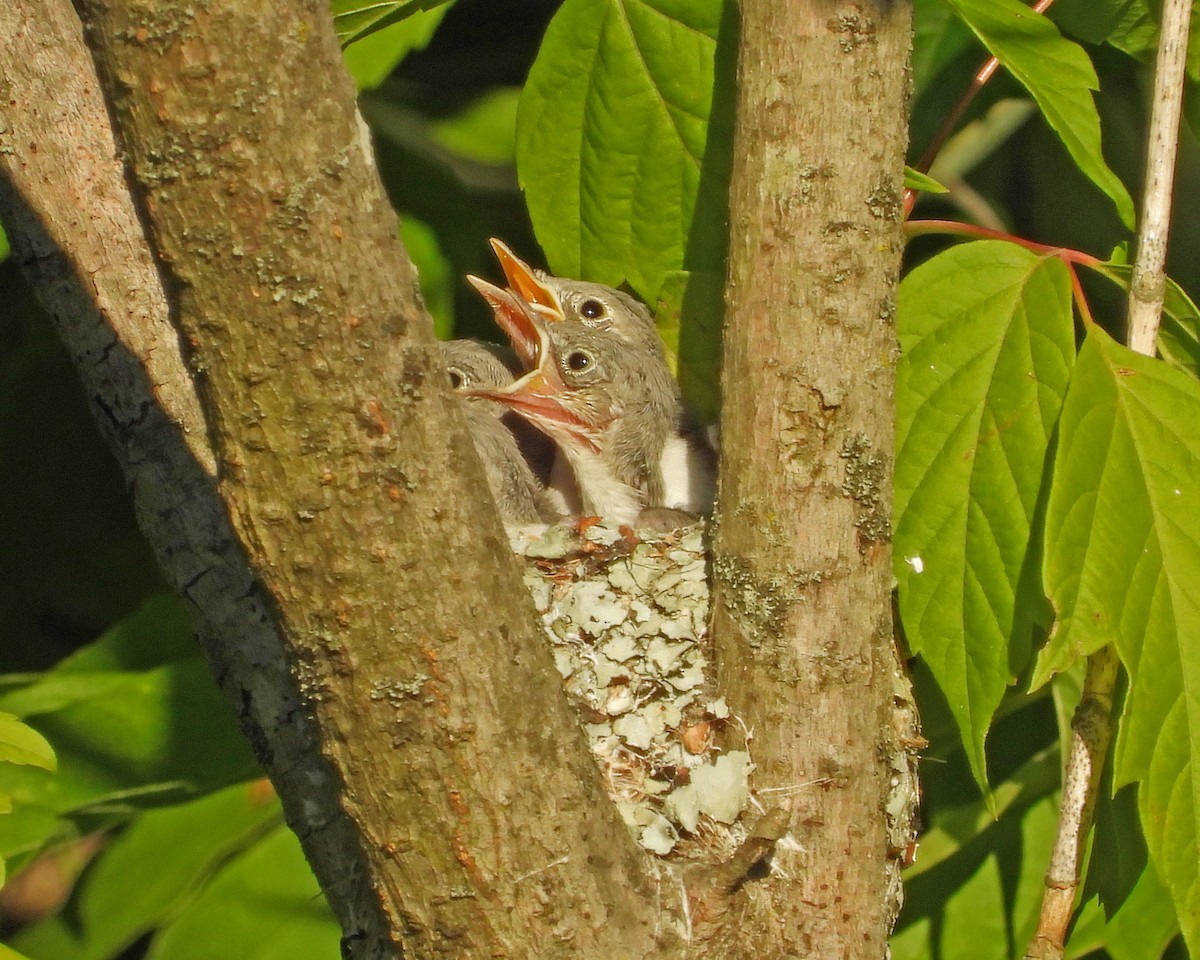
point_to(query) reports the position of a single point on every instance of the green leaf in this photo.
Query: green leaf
(1059, 75)
(1139, 930)
(355, 19)
(915, 180)
(433, 271)
(1136, 30)
(1179, 333)
(938, 38)
(20, 743)
(690, 308)
(987, 344)
(4, 251)
(265, 905)
(612, 133)
(976, 887)
(1092, 21)
(136, 720)
(117, 901)
(1122, 566)
(371, 57)
(485, 129)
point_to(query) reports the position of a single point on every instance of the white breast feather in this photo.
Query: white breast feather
(687, 477)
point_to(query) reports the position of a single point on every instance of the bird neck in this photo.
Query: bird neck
(602, 492)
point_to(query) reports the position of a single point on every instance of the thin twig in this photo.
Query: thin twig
(1091, 727)
(1147, 287)
(1091, 731)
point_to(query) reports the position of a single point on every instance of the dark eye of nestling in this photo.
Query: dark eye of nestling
(579, 361)
(456, 378)
(592, 309)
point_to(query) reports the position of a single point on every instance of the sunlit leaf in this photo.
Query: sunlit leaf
(20, 743)
(611, 137)
(135, 719)
(1122, 566)
(915, 180)
(986, 340)
(1059, 75)
(976, 895)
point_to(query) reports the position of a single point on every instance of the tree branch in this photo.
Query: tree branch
(1148, 285)
(801, 612)
(408, 713)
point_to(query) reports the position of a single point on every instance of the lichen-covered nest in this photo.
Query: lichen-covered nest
(627, 614)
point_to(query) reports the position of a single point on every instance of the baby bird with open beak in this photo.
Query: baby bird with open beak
(472, 365)
(624, 388)
(613, 410)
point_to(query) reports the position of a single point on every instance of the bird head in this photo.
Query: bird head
(533, 292)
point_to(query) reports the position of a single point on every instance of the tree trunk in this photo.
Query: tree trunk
(402, 698)
(801, 558)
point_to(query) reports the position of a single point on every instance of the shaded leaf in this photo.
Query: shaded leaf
(433, 272)
(371, 57)
(1122, 566)
(1179, 333)
(264, 905)
(136, 721)
(355, 19)
(485, 129)
(987, 344)
(690, 308)
(115, 903)
(938, 38)
(1059, 75)
(978, 899)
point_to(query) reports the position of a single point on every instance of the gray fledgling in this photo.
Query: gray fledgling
(519, 497)
(534, 306)
(614, 413)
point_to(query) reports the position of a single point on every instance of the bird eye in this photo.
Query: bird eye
(456, 378)
(592, 309)
(579, 361)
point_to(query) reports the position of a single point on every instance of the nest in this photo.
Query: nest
(626, 612)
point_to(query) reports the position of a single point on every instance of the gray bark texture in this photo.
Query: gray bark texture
(801, 555)
(360, 607)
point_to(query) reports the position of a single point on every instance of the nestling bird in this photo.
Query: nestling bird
(658, 441)
(614, 412)
(473, 364)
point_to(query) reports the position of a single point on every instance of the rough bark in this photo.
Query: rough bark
(801, 552)
(408, 711)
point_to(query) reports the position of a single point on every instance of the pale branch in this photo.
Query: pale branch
(1092, 724)
(407, 711)
(1091, 733)
(1148, 285)
(801, 557)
